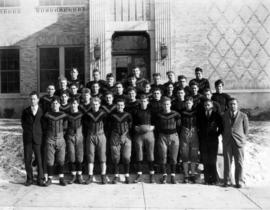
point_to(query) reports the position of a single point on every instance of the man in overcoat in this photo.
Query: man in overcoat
(32, 121)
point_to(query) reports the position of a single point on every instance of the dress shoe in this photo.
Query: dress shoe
(62, 181)
(163, 179)
(28, 183)
(89, 180)
(138, 178)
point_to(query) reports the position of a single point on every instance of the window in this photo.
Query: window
(10, 70)
(61, 2)
(58, 61)
(49, 67)
(74, 57)
(9, 3)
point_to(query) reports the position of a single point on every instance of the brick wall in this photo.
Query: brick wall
(36, 26)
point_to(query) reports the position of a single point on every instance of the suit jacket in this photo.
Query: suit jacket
(32, 126)
(236, 131)
(210, 127)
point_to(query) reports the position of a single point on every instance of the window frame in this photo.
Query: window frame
(61, 49)
(62, 4)
(10, 7)
(19, 71)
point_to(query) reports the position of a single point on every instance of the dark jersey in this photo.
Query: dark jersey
(56, 122)
(142, 117)
(84, 107)
(178, 105)
(45, 103)
(74, 122)
(155, 106)
(189, 119)
(202, 83)
(132, 106)
(168, 123)
(121, 122)
(93, 122)
(223, 100)
(65, 108)
(108, 108)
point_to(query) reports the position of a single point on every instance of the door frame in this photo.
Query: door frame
(146, 52)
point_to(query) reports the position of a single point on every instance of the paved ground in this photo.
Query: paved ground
(133, 196)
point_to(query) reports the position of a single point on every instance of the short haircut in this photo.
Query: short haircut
(156, 75)
(189, 98)
(218, 82)
(207, 90)
(180, 89)
(156, 89)
(73, 100)
(109, 75)
(169, 83)
(144, 96)
(131, 89)
(168, 72)
(55, 98)
(95, 70)
(74, 68)
(136, 67)
(198, 69)
(182, 77)
(86, 90)
(64, 92)
(34, 93)
(108, 93)
(73, 84)
(95, 82)
(96, 99)
(165, 99)
(51, 85)
(118, 83)
(146, 83)
(194, 83)
(232, 99)
(120, 100)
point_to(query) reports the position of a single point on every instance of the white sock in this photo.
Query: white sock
(91, 168)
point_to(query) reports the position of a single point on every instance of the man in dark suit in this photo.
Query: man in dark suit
(32, 119)
(235, 124)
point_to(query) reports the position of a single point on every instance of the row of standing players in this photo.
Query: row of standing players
(177, 122)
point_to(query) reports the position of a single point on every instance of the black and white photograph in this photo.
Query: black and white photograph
(134, 104)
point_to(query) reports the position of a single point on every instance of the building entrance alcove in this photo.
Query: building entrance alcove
(130, 49)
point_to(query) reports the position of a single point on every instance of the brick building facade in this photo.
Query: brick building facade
(42, 39)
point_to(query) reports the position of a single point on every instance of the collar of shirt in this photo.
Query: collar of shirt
(34, 109)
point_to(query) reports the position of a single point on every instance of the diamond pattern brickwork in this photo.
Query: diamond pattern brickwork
(239, 37)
